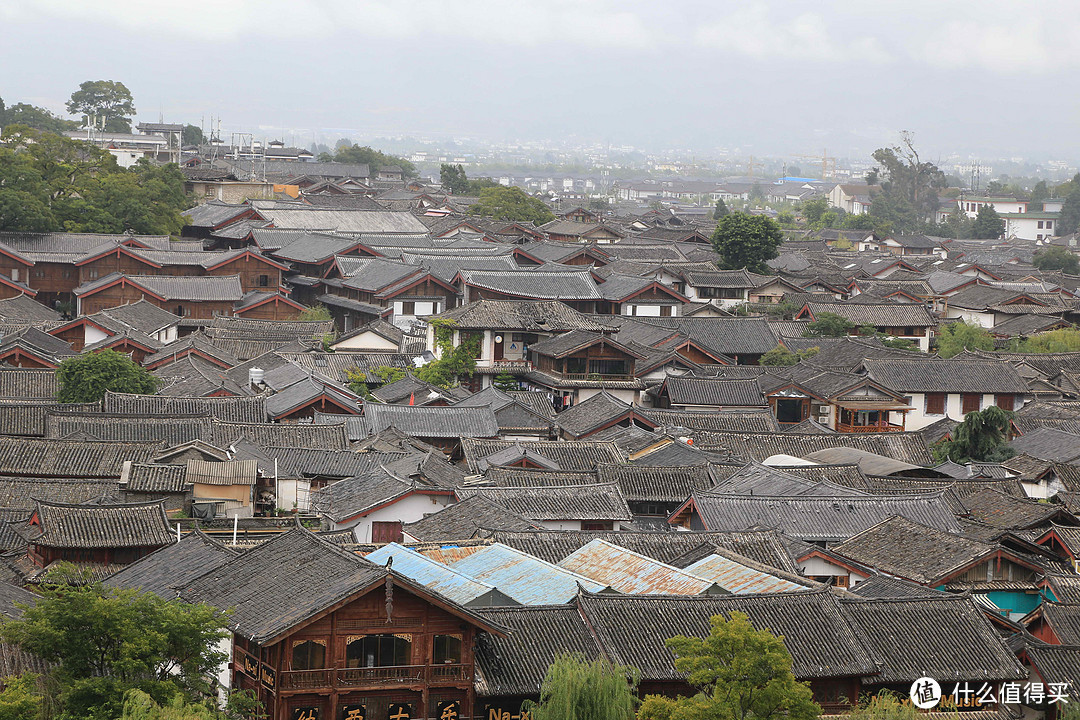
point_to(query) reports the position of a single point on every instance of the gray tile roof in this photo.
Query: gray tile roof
(815, 630)
(28, 383)
(686, 390)
(879, 315)
(821, 518)
(516, 665)
(763, 546)
(30, 457)
(948, 376)
(152, 478)
(231, 409)
(173, 566)
(137, 525)
(907, 549)
(568, 454)
(535, 284)
(282, 582)
(946, 637)
(432, 421)
(904, 446)
(600, 501)
(749, 420)
(462, 520)
(351, 221)
(23, 492)
(530, 316)
(727, 336)
(125, 427)
(656, 484)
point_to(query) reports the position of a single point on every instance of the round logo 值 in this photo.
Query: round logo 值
(925, 693)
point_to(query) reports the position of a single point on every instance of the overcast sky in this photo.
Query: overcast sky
(994, 78)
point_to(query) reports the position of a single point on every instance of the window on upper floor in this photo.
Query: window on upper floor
(308, 655)
(446, 650)
(378, 650)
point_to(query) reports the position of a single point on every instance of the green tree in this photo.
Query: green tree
(956, 337)
(829, 325)
(85, 378)
(1054, 341)
(884, 706)
(780, 356)
(988, 224)
(34, 117)
(348, 153)
(511, 203)
(21, 698)
(741, 673)
(599, 204)
(139, 705)
(958, 224)
(191, 135)
(1039, 194)
(981, 437)
(1057, 257)
(576, 688)
(721, 209)
(453, 179)
(316, 313)
(108, 100)
(49, 182)
(909, 186)
(747, 241)
(814, 208)
(1069, 221)
(506, 382)
(454, 362)
(104, 642)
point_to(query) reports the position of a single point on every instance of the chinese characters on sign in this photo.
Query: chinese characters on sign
(926, 693)
(450, 710)
(353, 711)
(305, 713)
(399, 711)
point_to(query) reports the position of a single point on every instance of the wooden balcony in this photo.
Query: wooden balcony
(877, 428)
(359, 677)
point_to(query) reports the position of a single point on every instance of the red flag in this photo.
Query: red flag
(412, 398)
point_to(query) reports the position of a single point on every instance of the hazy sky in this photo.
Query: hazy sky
(996, 78)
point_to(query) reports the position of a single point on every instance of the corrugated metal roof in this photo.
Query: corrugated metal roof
(738, 578)
(631, 573)
(438, 577)
(526, 579)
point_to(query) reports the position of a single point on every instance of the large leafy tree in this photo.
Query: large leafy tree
(104, 642)
(348, 153)
(1057, 257)
(576, 688)
(909, 186)
(34, 117)
(829, 325)
(108, 100)
(721, 209)
(1069, 222)
(988, 224)
(1038, 195)
(956, 337)
(453, 179)
(86, 378)
(513, 204)
(981, 437)
(1054, 341)
(747, 241)
(741, 673)
(49, 182)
